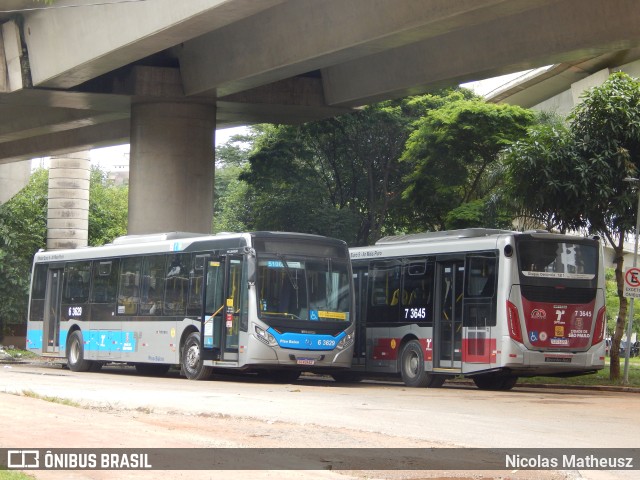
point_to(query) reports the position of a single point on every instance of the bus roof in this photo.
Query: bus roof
(171, 242)
(426, 236)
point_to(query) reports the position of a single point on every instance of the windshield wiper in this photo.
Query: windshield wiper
(294, 281)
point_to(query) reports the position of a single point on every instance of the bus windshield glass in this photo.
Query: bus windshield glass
(557, 260)
(298, 288)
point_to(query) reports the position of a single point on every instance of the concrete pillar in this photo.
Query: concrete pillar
(68, 210)
(171, 167)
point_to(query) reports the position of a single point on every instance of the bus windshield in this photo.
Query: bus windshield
(551, 259)
(303, 288)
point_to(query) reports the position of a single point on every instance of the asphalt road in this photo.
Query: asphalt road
(117, 408)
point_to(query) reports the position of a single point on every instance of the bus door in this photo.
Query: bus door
(360, 281)
(448, 316)
(52, 302)
(222, 307)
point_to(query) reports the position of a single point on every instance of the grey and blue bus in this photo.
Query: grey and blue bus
(273, 303)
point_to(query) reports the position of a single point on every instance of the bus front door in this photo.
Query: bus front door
(448, 327)
(52, 302)
(222, 301)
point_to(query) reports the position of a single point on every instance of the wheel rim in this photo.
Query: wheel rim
(74, 352)
(411, 364)
(193, 357)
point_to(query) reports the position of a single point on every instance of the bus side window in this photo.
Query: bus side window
(177, 284)
(129, 286)
(385, 295)
(76, 282)
(481, 276)
(152, 285)
(196, 276)
(105, 281)
(418, 288)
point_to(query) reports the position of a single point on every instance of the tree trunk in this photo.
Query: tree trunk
(614, 367)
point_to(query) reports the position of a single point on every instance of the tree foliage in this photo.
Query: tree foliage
(338, 177)
(452, 153)
(343, 176)
(23, 231)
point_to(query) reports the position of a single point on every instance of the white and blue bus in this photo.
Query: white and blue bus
(267, 302)
(491, 305)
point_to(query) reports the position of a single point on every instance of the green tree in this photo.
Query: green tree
(23, 231)
(574, 176)
(453, 152)
(339, 177)
(108, 209)
(231, 212)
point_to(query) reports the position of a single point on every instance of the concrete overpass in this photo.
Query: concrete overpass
(163, 75)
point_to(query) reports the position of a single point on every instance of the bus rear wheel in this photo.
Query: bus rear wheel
(192, 362)
(412, 368)
(75, 353)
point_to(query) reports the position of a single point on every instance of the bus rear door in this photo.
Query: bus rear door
(52, 303)
(448, 315)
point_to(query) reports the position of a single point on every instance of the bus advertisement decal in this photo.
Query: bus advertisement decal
(558, 325)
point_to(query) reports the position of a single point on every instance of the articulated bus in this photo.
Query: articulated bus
(266, 302)
(491, 305)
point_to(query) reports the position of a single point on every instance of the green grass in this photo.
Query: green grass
(599, 378)
(16, 353)
(13, 475)
(46, 398)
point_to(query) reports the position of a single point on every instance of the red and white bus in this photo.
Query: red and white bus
(492, 305)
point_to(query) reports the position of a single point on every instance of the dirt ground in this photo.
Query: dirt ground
(36, 423)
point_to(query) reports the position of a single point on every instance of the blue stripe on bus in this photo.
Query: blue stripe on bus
(109, 341)
(34, 339)
(306, 341)
(94, 340)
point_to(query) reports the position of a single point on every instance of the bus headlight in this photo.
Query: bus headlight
(346, 341)
(265, 337)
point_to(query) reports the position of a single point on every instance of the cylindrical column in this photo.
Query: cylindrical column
(171, 167)
(68, 208)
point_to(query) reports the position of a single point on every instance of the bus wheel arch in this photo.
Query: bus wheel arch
(411, 365)
(191, 362)
(75, 352)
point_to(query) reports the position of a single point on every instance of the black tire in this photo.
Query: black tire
(152, 369)
(492, 381)
(509, 382)
(192, 363)
(412, 367)
(437, 381)
(75, 353)
(95, 366)
(346, 377)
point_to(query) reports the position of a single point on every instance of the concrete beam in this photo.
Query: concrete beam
(67, 141)
(68, 46)
(562, 32)
(304, 35)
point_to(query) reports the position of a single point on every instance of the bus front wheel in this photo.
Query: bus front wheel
(412, 368)
(192, 363)
(75, 353)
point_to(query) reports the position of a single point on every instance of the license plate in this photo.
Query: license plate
(558, 359)
(306, 361)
